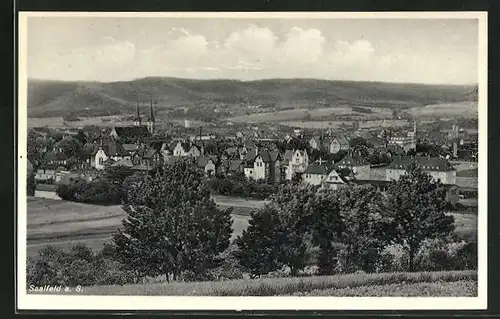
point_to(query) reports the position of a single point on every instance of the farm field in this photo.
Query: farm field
(336, 124)
(449, 283)
(300, 113)
(464, 109)
(63, 224)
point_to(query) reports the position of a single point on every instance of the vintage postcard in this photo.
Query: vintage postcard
(252, 161)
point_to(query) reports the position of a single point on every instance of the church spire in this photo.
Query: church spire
(151, 115)
(137, 120)
(151, 119)
(138, 115)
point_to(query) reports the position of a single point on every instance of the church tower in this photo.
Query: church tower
(137, 120)
(151, 120)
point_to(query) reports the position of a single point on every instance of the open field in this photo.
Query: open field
(458, 283)
(333, 124)
(464, 109)
(63, 224)
(319, 113)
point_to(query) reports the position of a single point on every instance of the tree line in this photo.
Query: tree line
(174, 229)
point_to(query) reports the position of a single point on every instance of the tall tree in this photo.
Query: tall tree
(418, 205)
(326, 229)
(35, 147)
(258, 251)
(70, 147)
(172, 224)
(292, 204)
(366, 227)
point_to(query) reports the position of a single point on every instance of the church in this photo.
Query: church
(138, 130)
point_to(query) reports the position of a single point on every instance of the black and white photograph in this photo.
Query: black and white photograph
(252, 161)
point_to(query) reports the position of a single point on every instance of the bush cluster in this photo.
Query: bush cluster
(99, 191)
(79, 266)
(240, 186)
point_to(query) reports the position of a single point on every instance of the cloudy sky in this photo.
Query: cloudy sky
(115, 49)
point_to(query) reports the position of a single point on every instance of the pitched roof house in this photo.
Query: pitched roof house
(316, 173)
(266, 166)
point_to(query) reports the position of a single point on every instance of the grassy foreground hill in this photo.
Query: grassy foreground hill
(48, 98)
(444, 283)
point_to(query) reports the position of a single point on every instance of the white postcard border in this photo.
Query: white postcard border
(73, 302)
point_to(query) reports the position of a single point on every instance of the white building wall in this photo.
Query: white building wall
(259, 169)
(210, 168)
(447, 177)
(362, 172)
(334, 147)
(248, 171)
(313, 179)
(99, 159)
(179, 150)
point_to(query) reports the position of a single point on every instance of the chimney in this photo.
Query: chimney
(455, 149)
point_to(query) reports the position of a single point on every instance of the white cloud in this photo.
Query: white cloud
(246, 66)
(252, 41)
(352, 54)
(208, 68)
(302, 47)
(111, 54)
(249, 52)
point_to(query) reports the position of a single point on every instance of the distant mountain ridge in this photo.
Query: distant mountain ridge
(48, 98)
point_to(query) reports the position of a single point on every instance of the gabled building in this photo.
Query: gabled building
(208, 164)
(152, 157)
(317, 173)
(294, 162)
(315, 142)
(195, 151)
(266, 166)
(337, 144)
(181, 149)
(357, 164)
(108, 150)
(336, 179)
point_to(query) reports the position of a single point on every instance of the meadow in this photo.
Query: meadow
(63, 224)
(464, 109)
(446, 283)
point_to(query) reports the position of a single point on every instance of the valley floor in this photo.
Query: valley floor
(63, 224)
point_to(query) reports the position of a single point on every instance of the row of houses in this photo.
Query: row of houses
(351, 171)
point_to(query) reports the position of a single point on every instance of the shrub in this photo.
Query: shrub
(439, 255)
(99, 191)
(240, 186)
(79, 266)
